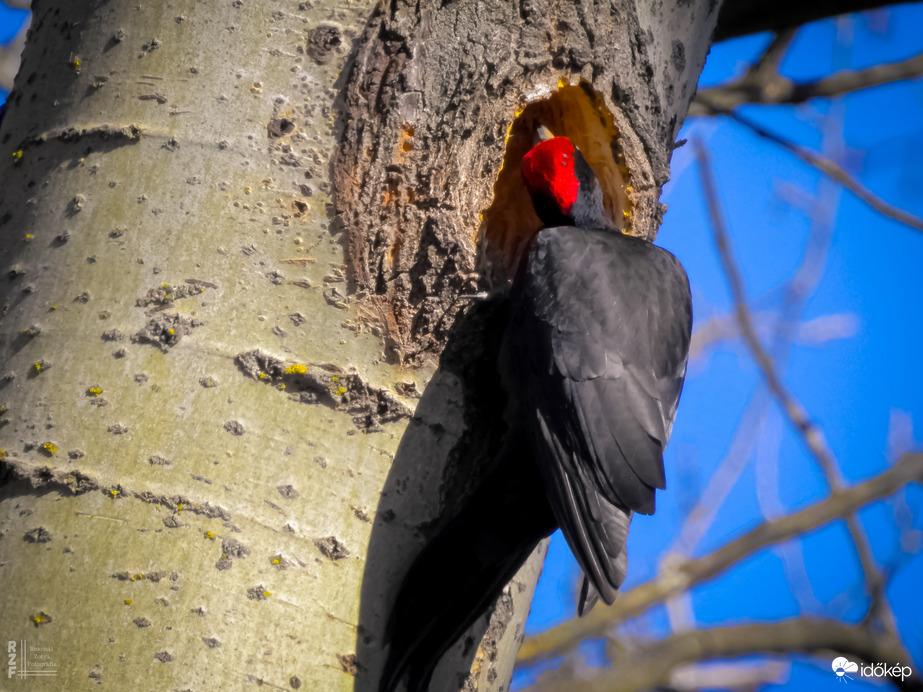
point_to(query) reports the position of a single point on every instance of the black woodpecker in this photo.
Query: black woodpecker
(593, 360)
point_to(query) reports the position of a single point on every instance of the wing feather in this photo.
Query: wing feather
(599, 332)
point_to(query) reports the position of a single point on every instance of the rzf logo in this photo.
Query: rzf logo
(11, 650)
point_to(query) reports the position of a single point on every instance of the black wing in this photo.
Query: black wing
(598, 339)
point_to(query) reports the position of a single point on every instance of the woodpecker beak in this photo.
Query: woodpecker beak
(541, 134)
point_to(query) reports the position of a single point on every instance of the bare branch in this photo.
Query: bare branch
(811, 434)
(739, 675)
(742, 17)
(653, 665)
(834, 171)
(684, 574)
(767, 87)
(723, 480)
(10, 54)
(769, 61)
(723, 328)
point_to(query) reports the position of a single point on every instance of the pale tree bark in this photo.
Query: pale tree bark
(236, 239)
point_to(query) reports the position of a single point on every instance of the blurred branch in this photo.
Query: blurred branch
(809, 431)
(683, 574)
(813, 436)
(768, 485)
(768, 62)
(742, 17)
(780, 331)
(652, 665)
(10, 57)
(832, 170)
(767, 87)
(723, 328)
(740, 675)
(722, 481)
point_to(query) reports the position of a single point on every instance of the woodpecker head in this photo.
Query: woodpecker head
(564, 188)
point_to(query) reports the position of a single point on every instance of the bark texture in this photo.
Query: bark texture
(431, 111)
(196, 426)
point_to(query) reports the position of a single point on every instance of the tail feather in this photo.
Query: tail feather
(460, 574)
(588, 597)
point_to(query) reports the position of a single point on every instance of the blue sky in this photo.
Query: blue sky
(851, 386)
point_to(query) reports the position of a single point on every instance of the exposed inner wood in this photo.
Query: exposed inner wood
(509, 223)
(437, 109)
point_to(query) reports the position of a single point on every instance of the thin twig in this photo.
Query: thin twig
(833, 170)
(684, 573)
(725, 477)
(811, 434)
(765, 87)
(774, 53)
(651, 666)
(722, 329)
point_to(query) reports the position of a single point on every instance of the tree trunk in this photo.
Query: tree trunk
(228, 232)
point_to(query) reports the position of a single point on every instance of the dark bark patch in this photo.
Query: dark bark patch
(166, 294)
(329, 385)
(280, 127)
(155, 577)
(348, 663)
(38, 535)
(99, 138)
(234, 427)
(173, 522)
(231, 547)
(257, 593)
(288, 492)
(165, 330)
(679, 56)
(324, 41)
(331, 548)
(41, 619)
(77, 483)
